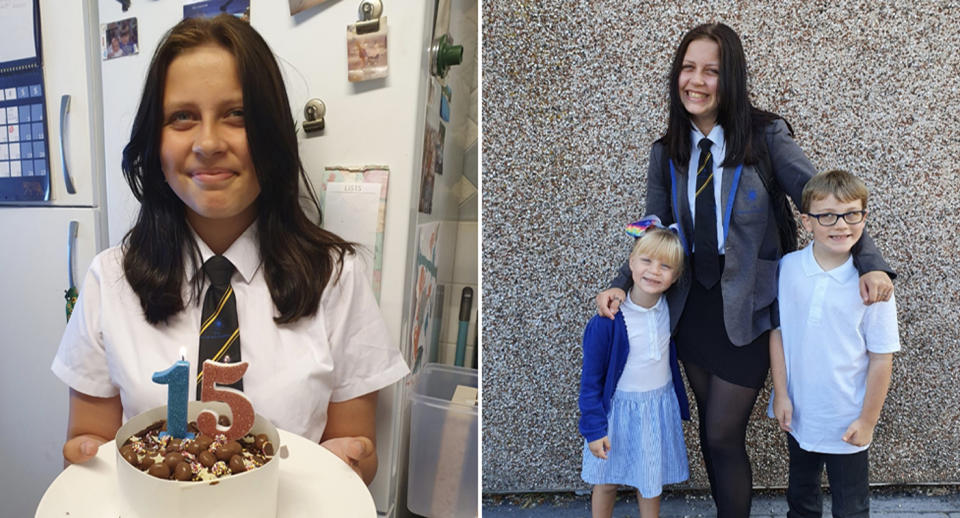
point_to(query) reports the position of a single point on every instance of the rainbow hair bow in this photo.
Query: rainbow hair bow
(637, 228)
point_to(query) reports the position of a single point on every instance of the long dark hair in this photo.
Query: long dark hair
(299, 258)
(736, 115)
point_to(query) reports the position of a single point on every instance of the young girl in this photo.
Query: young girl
(707, 175)
(631, 394)
(213, 161)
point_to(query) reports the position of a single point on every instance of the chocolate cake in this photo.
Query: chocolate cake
(203, 458)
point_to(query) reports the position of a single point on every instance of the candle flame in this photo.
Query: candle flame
(183, 354)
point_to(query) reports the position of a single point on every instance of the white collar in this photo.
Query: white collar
(811, 267)
(658, 306)
(244, 253)
(716, 135)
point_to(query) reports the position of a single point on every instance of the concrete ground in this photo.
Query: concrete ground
(927, 502)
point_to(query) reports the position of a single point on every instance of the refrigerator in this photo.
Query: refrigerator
(379, 121)
(46, 241)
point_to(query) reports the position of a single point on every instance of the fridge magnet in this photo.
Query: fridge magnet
(354, 202)
(301, 5)
(120, 38)
(430, 135)
(445, 97)
(211, 8)
(424, 293)
(367, 50)
(438, 149)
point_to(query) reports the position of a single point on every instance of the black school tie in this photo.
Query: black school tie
(219, 328)
(706, 265)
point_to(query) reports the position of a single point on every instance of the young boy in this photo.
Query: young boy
(831, 357)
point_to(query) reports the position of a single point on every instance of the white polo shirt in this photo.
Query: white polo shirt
(648, 361)
(296, 370)
(827, 333)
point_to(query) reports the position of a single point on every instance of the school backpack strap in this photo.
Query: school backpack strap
(786, 222)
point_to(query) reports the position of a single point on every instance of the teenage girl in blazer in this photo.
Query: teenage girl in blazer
(722, 330)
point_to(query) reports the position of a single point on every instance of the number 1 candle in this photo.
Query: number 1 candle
(176, 379)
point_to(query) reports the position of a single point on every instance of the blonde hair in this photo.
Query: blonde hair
(661, 244)
(844, 186)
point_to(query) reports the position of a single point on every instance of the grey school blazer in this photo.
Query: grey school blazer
(749, 278)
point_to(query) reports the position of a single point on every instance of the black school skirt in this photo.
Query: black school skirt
(702, 340)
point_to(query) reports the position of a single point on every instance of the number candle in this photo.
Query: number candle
(240, 405)
(176, 379)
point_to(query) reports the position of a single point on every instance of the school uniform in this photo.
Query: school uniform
(828, 334)
(295, 370)
(631, 391)
(724, 329)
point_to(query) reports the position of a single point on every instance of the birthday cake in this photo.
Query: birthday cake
(189, 459)
(251, 492)
(202, 458)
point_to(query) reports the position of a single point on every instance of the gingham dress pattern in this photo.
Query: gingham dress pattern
(647, 449)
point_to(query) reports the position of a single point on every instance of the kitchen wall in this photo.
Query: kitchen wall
(573, 96)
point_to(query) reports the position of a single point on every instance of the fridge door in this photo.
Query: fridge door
(71, 74)
(33, 401)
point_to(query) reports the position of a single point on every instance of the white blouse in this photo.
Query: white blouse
(648, 362)
(296, 370)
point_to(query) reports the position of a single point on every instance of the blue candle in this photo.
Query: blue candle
(176, 379)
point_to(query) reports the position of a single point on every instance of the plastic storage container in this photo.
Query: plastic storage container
(442, 471)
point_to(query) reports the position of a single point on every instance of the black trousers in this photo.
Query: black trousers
(847, 474)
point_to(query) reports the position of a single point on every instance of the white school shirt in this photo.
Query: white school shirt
(827, 333)
(295, 370)
(718, 149)
(648, 361)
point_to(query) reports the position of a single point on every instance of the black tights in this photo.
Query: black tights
(724, 409)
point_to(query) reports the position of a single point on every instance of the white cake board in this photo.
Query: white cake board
(313, 482)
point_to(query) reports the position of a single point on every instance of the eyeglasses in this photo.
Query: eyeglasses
(829, 219)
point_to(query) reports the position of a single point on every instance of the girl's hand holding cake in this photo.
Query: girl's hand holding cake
(92, 420)
(353, 451)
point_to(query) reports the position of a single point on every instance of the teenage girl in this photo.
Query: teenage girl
(629, 404)
(213, 160)
(723, 305)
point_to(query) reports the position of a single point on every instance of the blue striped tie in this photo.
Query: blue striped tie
(219, 327)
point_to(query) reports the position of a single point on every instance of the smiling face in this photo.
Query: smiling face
(203, 146)
(831, 245)
(697, 84)
(651, 277)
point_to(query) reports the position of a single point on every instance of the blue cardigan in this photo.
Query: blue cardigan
(605, 348)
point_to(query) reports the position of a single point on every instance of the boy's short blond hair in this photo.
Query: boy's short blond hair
(844, 186)
(661, 244)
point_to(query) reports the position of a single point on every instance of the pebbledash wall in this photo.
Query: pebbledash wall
(574, 93)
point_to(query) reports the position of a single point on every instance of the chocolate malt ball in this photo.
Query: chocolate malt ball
(172, 459)
(131, 457)
(223, 453)
(204, 442)
(236, 464)
(159, 470)
(182, 471)
(206, 458)
(223, 421)
(234, 447)
(259, 440)
(192, 447)
(146, 462)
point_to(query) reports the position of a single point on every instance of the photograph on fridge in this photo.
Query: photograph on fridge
(211, 8)
(119, 38)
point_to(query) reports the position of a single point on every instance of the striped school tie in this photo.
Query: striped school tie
(706, 260)
(219, 328)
